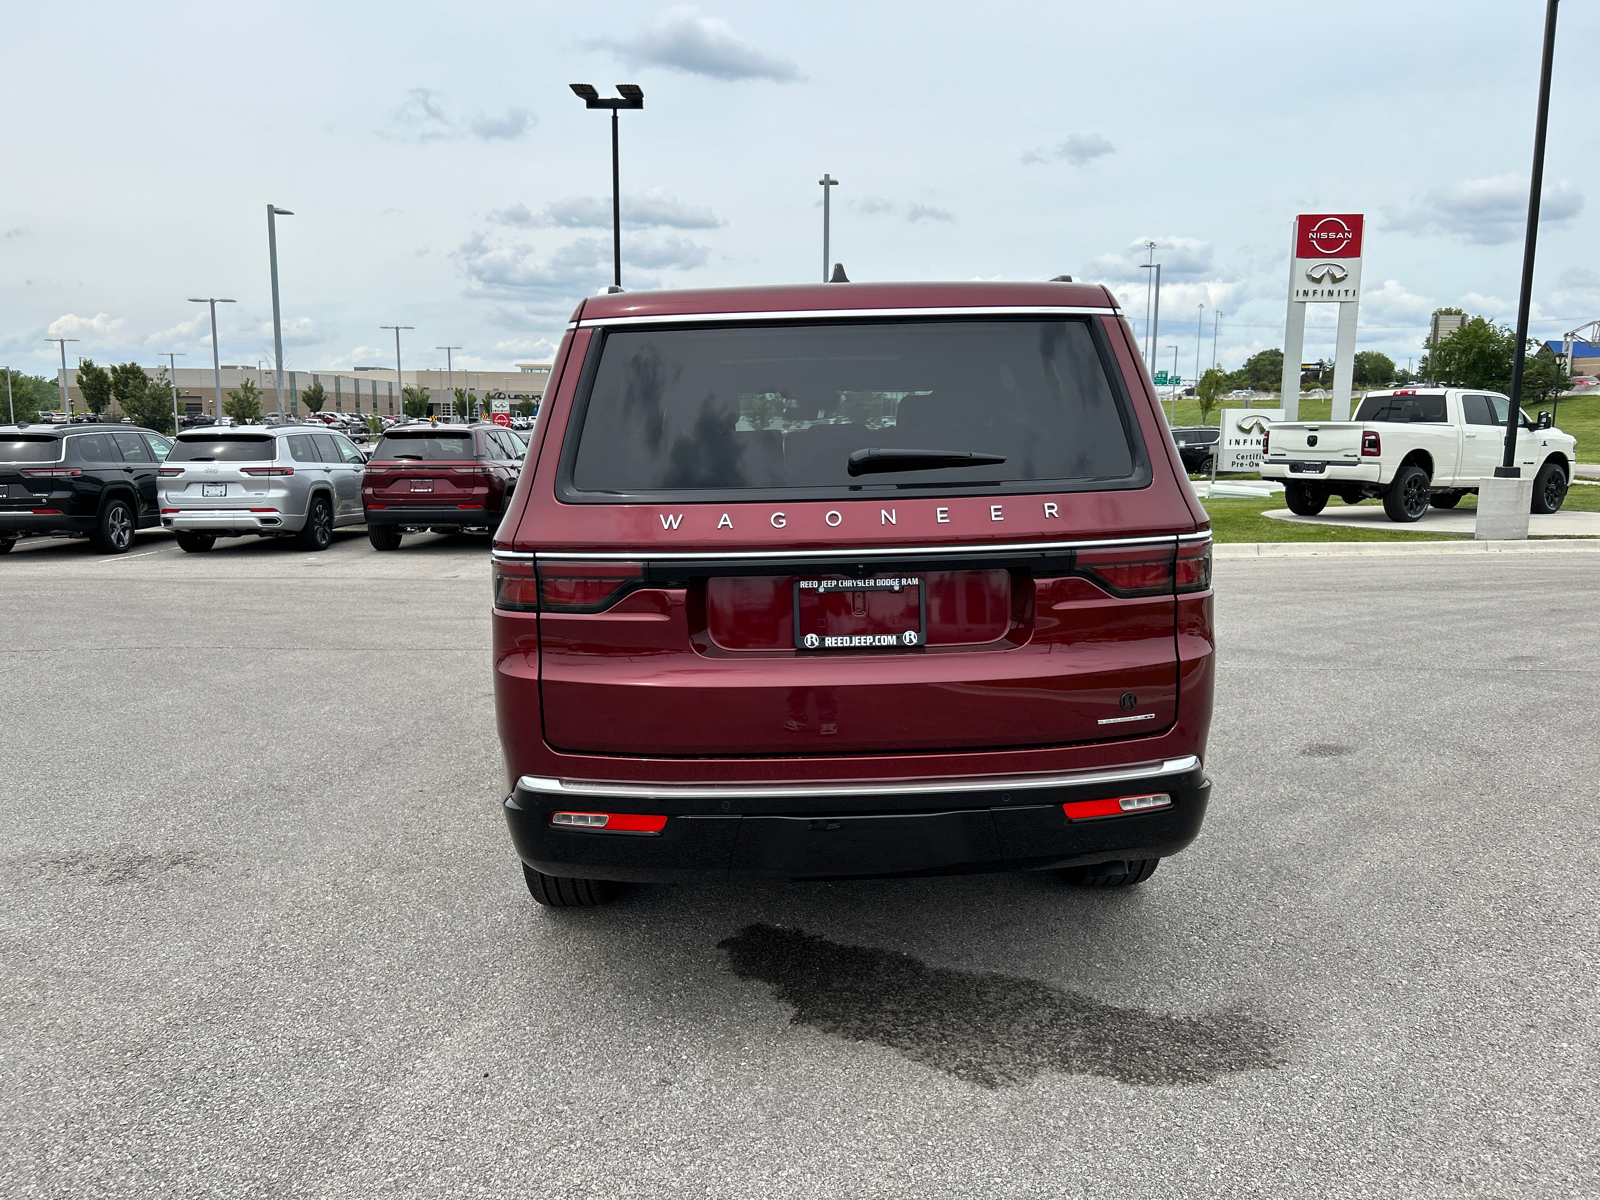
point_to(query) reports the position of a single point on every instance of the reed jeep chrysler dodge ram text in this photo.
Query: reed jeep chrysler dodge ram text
(851, 580)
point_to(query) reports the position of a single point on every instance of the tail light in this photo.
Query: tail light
(1266, 442)
(1079, 810)
(610, 822)
(68, 472)
(563, 587)
(1135, 571)
(1193, 567)
(266, 471)
(169, 472)
(470, 470)
(1371, 444)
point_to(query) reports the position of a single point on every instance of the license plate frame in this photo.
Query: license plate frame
(823, 625)
(1308, 468)
(423, 486)
(213, 490)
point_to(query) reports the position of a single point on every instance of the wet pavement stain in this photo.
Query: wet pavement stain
(990, 1029)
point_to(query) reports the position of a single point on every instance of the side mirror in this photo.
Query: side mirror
(1546, 420)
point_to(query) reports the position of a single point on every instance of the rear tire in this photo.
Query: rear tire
(6, 544)
(1134, 872)
(1304, 499)
(318, 531)
(553, 891)
(384, 537)
(113, 532)
(1445, 499)
(1549, 489)
(196, 543)
(1407, 496)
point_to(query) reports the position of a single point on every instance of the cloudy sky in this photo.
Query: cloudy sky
(443, 176)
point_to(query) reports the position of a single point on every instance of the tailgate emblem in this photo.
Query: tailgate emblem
(1311, 439)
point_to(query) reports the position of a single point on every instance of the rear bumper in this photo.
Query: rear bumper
(224, 520)
(950, 826)
(15, 524)
(1336, 472)
(430, 515)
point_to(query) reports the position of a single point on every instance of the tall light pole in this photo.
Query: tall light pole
(1155, 324)
(1149, 346)
(1216, 324)
(1199, 332)
(277, 321)
(1174, 350)
(172, 360)
(631, 95)
(9, 400)
(828, 183)
(66, 401)
(216, 354)
(450, 376)
(399, 380)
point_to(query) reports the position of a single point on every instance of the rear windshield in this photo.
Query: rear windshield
(427, 445)
(1401, 408)
(784, 407)
(212, 448)
(26, 449)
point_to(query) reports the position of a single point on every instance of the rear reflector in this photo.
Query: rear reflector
(165, 511)
(1080, 810)
(263, 510)
(47, 512)
(377, 506)
(469, 506)
(610, 822)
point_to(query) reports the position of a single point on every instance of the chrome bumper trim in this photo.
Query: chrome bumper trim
(579, 789)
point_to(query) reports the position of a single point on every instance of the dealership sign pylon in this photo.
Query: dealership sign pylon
(1325, 269)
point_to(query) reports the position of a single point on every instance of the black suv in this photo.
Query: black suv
(1197, 445)
(81, 480)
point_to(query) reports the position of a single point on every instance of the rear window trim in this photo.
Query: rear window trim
(828, 315)
(1140, 477)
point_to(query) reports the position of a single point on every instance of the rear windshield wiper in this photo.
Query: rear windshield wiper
(418, 457)
(871, 462)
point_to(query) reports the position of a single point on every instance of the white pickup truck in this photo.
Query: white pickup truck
(1412, 448)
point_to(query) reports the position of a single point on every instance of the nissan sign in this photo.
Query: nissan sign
(1328, 235)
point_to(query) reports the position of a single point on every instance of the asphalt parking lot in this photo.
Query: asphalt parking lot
(264, 935)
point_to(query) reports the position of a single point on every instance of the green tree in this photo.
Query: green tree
(244, 402)
(95, 384)
(414, 401)
(1478, 355)
(1372, 369)
(463, 402)
(144, 401)
(1542, 375)
(158, 401)
(30, 396)
(1262, 371)
(527, 408)
(1209, 392)
(314, 397)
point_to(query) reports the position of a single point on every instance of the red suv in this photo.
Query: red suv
(846, 580)
(446, 478)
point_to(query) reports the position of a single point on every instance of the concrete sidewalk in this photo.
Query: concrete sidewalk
(1441, 521)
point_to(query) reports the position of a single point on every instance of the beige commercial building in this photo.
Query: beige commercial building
(347, 389)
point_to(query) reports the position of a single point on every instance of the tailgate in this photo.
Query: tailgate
(1307, 442)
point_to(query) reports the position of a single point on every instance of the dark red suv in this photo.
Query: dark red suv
(444, 478)
(848, 580)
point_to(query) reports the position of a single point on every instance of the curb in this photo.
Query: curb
(1388, 549)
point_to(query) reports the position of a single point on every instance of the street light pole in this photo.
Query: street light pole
(1216, 324)
(1199, 333)
(1174, 350)
(630, 95)
(450, 375)
(172, 359)
(828, 183)
(9, 400)
(399, 380)
(1507, 468)
(1155, 324)
(66, 400)
(216, 354)
(1149, 346)
(277, 321)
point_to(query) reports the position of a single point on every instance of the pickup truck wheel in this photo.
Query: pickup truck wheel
(1112, 874)
(1407, 497)
(1549, 489)
(1445, 499)
(1351, 496)
(553, 891)
(1304, 499)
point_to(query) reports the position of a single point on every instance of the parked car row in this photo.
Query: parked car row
(297, 482)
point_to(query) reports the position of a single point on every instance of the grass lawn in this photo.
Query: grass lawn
(1577, 415)
(1241, 520)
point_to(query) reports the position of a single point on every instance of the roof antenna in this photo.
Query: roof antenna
(838, 274)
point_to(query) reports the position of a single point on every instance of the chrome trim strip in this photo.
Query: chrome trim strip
(649, 555)
(1125, 720)
(1203, 536)
(584, 789)
(813, 314)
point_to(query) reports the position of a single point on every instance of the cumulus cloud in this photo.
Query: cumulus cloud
(529, 349)
(1392, 303)
(650, 210)
(100, 327)
(874, 206)
(870, 205)
(515, 215)
(1180, 258)
(683, 40)
(1077, 150)
(926, 212)
(550, 281)
(1485, 212)
(17, 231)
(422, 117)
